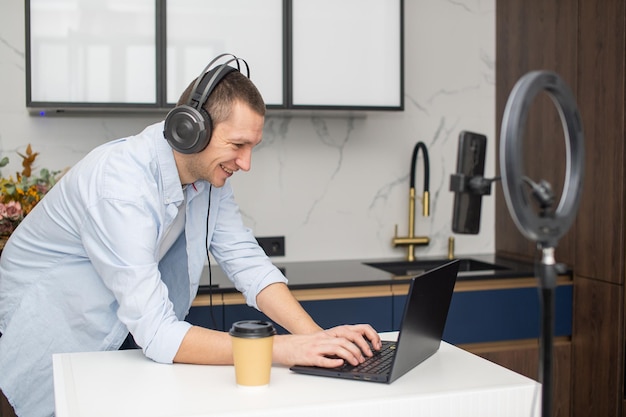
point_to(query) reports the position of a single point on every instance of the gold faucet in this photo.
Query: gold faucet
(451, 247)
(411, 240)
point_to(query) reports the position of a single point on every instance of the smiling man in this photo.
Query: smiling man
(114, 253)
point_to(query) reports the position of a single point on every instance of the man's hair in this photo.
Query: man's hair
(235, 86)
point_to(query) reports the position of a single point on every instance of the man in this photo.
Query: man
(117, 247)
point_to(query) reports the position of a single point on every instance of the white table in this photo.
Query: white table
(452, 382)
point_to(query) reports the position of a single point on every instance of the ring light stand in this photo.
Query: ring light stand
(547, 226)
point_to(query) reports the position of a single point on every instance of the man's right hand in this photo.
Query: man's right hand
(327, 348)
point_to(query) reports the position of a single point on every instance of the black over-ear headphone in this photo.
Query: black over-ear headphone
(188, 127)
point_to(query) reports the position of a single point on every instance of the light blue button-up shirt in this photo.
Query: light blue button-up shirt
(83, 269)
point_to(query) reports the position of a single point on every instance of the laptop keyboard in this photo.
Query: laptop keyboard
(380, 363)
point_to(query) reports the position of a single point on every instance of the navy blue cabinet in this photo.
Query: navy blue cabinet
(370, 310)
(211, 317)
(476, 315)
(493, 315)
(328, 313)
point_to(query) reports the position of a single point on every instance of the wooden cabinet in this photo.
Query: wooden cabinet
(534, 35)
(585, 42)
(598, 358)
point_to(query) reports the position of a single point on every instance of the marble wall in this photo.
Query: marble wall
(333, 185)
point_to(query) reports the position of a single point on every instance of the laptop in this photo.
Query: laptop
(419, 337)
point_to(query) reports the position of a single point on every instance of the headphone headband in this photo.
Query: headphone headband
(217, 76)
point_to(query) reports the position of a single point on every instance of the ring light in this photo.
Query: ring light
(546, 230)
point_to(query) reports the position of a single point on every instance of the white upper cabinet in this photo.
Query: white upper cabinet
(199, 30)
(142, 54)
(347, 53)
(86, 51)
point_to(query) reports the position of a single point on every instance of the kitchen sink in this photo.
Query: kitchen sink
(421, 266)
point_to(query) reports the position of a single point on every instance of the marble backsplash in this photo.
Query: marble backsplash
(333, 184)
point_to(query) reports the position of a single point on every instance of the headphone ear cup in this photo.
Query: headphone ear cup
(187, 129)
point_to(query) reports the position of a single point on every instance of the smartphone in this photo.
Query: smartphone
(470, 163)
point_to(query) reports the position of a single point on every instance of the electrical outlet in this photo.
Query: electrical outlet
(273, 246)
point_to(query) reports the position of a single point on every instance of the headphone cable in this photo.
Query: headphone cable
(208, 258)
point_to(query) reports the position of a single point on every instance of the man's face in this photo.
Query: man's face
(230, 148)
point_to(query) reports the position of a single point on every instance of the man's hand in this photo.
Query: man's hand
(327, 348)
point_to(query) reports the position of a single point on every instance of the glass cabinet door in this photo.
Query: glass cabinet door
(347, 53)
(85, 51)
(199, 30)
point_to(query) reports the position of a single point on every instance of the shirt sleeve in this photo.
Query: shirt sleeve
(236, 250)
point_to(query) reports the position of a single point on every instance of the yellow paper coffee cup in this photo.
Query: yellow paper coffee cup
(252, 352)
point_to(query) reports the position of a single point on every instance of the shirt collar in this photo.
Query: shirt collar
(172, 187)
(170, 180)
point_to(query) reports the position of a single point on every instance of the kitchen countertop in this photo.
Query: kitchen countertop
(126, 383)
(354, 273)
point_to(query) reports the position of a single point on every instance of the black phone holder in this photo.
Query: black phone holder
(478, 185)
